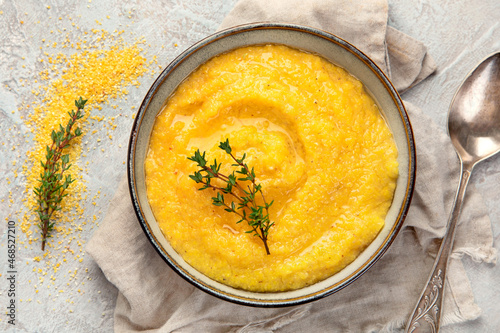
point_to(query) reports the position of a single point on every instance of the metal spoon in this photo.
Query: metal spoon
(474, 129)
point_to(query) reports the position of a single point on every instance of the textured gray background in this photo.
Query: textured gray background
(458, 35)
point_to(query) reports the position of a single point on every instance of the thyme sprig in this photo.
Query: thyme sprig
(246, 207)
(53, 182)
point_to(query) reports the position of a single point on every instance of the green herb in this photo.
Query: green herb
(246, 207)
(53, 182)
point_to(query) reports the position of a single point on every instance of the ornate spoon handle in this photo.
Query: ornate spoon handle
(427, 313)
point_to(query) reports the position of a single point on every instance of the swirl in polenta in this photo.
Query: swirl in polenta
(320, 148)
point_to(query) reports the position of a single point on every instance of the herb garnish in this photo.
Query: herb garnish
(53, 181)
(245, 197)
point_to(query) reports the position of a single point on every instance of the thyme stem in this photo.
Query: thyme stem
(53, 182)
(258, 215)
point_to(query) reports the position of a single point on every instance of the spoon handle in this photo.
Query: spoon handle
(427, 313)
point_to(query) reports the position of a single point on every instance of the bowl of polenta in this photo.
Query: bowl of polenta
(271, 164)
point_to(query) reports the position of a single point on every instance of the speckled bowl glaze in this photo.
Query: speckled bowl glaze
(307, 39)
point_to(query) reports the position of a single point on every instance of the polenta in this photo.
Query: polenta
(320, 148)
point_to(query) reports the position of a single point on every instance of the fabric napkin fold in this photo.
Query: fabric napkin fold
(152, 298)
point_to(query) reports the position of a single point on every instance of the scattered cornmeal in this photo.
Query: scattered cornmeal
(99, 70)
(320, 148)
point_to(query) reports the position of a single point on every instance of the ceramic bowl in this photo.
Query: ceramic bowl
(311, 40)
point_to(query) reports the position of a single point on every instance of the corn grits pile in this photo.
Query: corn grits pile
(319, 146)
(99, 67)
(97, 74)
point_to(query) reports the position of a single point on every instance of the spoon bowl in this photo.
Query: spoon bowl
(474, 129)
(474, 116)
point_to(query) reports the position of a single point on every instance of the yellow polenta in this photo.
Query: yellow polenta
(319, 146)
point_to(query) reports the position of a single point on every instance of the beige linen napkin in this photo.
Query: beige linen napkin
(152, 298)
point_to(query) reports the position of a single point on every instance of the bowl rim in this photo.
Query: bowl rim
(131, 176)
